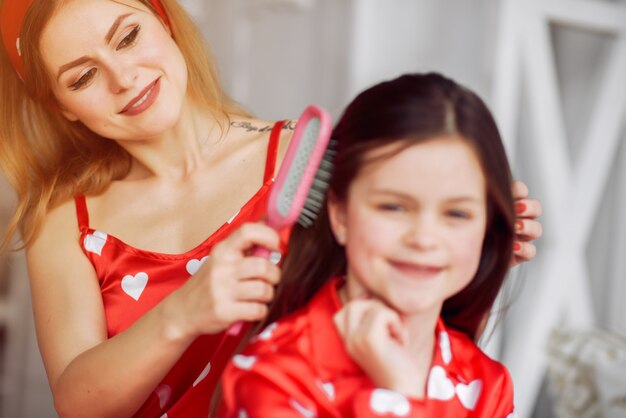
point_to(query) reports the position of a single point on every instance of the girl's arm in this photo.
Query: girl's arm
(91, 375)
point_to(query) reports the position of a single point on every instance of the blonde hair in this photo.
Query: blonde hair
(48, 159)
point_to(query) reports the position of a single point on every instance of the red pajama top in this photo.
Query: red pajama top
(298, 367)
(133, 281)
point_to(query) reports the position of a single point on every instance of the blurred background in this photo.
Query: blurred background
(552, 71)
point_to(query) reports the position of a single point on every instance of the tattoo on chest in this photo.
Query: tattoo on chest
(249, 127)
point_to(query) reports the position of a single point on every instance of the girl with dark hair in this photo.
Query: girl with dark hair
(397, 274)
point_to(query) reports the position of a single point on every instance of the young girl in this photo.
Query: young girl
(405, 268)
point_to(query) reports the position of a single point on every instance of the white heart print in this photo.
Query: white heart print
(328, 388)
(267, 332)
(202, 375)
(194, 265)
(444, 346)
(468, 394)
(164, 392)
(134, 286)
(438, 385)
(244, 362)
(385, 401)
(302, 410)
(94, 243)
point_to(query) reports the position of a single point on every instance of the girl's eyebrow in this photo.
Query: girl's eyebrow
(454, 199)
(107, 39)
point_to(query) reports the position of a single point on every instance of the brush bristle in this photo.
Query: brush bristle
(317, 193)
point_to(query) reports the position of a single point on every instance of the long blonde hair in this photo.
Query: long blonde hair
(48, 159)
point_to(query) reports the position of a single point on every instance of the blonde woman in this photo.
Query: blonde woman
(135, 175)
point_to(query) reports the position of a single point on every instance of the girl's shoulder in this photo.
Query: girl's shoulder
(469, 356)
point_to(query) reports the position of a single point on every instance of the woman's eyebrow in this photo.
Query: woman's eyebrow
(107, 39)
(114, 27)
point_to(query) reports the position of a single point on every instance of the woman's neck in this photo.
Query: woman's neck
(178, 152)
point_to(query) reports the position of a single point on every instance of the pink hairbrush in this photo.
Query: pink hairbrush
(300, 186)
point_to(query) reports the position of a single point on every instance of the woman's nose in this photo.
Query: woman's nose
(122, 76)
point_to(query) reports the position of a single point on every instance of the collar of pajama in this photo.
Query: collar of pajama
(298, 367)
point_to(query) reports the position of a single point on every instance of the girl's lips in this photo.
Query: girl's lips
(420, 271)
(143, 100)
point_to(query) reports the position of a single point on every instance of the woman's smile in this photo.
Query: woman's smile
(143, 100)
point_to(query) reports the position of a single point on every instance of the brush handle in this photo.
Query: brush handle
(235, 329)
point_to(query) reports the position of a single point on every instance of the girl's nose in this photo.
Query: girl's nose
(422, 232)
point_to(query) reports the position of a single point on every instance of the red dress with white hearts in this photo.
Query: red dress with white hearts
(133, 281)
(298, 367)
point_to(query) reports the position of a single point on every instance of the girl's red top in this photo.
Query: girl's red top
(133, 281)
(298, 367)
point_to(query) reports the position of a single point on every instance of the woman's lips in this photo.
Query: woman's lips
(143, 100)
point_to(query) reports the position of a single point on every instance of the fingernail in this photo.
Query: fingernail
(518, 226)
(517, 246)
(520, 207)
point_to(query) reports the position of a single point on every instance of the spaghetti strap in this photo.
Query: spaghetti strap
(272, 149)
(81, 212)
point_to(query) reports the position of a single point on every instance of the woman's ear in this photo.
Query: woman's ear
(337, 217)
(68, 115)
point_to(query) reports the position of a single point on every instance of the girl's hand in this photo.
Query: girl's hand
(527, 228)
(231, 286)
(376, 338)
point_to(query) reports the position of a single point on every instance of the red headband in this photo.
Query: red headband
(11, 20)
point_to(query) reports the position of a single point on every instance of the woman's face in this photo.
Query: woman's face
(413, 225)
(115, 67)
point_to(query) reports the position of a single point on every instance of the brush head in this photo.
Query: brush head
(300, 187)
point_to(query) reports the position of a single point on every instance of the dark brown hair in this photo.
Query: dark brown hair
(408, 110)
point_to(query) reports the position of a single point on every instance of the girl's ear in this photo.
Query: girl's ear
(337, 215)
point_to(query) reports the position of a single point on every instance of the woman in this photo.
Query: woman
(132, 167)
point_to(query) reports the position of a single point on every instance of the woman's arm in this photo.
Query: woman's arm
(85, 368)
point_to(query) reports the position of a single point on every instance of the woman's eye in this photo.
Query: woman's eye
(84, 79)
(129, 39)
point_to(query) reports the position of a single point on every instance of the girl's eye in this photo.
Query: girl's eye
(391, 207)
(129, 39)
(458, 214)
(84, 79)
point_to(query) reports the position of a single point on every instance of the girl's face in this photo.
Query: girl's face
(413, 224)
(114, 66)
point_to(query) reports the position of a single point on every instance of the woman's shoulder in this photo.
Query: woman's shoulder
(246, 130)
